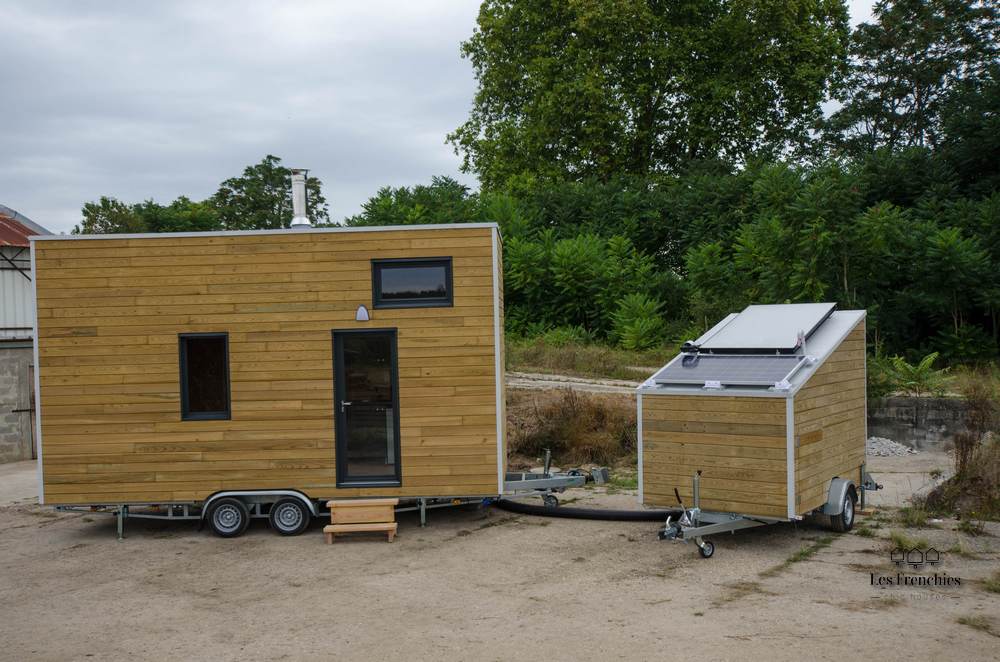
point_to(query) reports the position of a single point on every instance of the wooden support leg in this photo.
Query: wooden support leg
(329, 538)
(392, 534)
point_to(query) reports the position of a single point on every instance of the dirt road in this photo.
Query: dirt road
(476, 585)
(545, 382)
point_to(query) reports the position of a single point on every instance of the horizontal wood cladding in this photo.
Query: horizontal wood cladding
(830, 423)
(738, 444)
(109, 315)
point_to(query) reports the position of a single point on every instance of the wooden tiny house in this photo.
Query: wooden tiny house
(769, 406)
(337, 362)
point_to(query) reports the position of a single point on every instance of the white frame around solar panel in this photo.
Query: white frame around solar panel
(798, 359)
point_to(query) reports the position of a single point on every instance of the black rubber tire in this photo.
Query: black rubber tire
(229, 517)
(550, 501)
(707, 549)
(844, 522)
(289, 516)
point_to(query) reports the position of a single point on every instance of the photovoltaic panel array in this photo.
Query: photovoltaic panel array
(728, 369)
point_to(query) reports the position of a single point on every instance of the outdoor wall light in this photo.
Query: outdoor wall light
(362, 314)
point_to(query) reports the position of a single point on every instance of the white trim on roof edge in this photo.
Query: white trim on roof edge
(247, 233)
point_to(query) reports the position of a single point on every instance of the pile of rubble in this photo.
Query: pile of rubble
(882, 447)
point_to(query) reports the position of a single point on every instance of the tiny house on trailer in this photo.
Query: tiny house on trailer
(760, 420)
(234, 375)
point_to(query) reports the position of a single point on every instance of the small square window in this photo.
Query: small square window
(204, 359)
(411, 283)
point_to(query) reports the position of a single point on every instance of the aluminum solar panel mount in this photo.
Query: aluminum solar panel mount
(715, 371)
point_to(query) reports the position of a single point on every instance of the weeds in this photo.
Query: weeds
(980, 623)
(959, 549)
(799, 556)
(975, 487)
(971, 527)
(864, 531)
(578, 428)
(992, 583)
(913, 516)
(901, 540)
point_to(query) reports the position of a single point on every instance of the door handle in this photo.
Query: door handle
(344, 404)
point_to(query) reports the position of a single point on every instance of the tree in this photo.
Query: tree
(443, 201)
(261, 199)
(905, 66)
(607, 87)
(109, 216)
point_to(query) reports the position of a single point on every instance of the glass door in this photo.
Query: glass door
(366, 407)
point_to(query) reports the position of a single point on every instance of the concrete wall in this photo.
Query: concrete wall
(922, 423)
(15, 393)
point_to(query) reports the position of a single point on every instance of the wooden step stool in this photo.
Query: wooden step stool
(356, 515)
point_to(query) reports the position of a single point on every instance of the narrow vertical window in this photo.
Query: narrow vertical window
(204, 359)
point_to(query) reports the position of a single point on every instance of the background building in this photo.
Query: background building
(17, 320)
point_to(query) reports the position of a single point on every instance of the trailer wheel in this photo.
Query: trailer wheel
(289, 517)
(229, 517)
(706, 549)
(843, 522)
(550, 501)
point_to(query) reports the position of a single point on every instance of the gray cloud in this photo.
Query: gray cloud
(140, 100)
(158, 99)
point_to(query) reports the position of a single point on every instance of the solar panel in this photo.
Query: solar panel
(771, 327)
(729, 369)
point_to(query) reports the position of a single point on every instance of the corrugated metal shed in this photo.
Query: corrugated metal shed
(17, 307)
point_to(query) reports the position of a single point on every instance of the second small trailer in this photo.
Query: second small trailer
(760, 420)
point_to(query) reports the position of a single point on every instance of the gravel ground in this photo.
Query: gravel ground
(483, 585)
(882, 447)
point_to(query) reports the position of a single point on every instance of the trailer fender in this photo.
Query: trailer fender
(839, 487)
(256, 494)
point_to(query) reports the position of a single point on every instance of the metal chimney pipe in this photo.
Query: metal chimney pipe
(299, 218)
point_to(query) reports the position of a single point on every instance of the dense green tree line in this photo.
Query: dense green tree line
(654, 166)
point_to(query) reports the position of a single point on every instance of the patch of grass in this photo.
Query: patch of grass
(799, 556)
(593, 360)
(890, 600)
(864, 531)
(980, 623)
(902, 540)
(992, 583)
(913, 517)
(971, 527)
(740, 590)
(959, 549)
(624, 481)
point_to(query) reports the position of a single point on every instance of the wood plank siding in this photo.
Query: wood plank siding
(738, 443)
(109, 315)
(830, 423)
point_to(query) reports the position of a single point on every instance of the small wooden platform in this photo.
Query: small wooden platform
(361, 515)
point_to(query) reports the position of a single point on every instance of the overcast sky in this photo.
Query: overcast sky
(140, 100)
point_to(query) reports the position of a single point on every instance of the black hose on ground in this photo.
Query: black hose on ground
(588, 513)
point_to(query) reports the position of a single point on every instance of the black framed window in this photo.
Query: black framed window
(204, 359)
(411, 282)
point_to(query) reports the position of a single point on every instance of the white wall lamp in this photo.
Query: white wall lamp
(362, 314)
